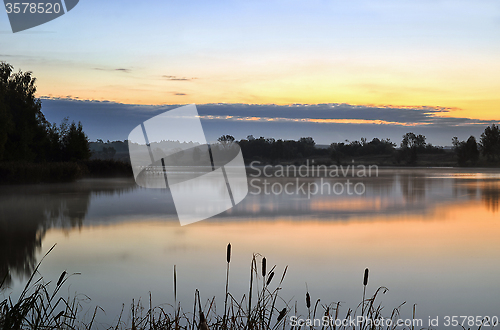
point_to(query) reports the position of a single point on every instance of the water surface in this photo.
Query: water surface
(430, 235)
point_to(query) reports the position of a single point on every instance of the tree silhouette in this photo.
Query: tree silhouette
(75, 143)
(24, 125)
(226, 140)
(25, 134)
(467, 152)
(490, 142)
(411, 145)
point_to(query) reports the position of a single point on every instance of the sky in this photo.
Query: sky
(383, 54)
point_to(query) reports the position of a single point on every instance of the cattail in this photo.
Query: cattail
(281, 315)
(270, 278)
(365, 282)
(308, 300)
(264, 267)
(175, 285)
(283, 276)
(203, 322)
(228, 259)
(61, 278)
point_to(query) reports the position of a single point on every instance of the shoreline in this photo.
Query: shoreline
(13, 173)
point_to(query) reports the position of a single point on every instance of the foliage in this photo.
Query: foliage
(23, 124)
(75, 145)
(412, 141)
(490, 142)
(226, 139)
(361, 148)
(279, 150)
(411, 145)
(467, 151)
(25, 134)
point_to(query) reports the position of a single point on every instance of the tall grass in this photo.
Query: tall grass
(39, 307)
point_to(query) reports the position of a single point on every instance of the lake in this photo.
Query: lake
(431, 236)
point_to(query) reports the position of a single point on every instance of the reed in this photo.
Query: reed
(228, 261)
(176, 307)
(252, 268)
(365, 283)
(39, 308)
(308, 302)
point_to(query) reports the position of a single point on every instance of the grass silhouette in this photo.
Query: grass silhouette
(40, 307)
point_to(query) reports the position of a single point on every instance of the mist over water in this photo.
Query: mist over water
(429, 235)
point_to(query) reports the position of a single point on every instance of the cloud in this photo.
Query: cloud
(326, 123)
(175, 78)
(338, 113)
(180, 94)
(118, 69)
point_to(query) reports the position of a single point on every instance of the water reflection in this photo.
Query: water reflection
(413, 187)
(490, 194)
(487, 190)
(27, 212)
(393, 192)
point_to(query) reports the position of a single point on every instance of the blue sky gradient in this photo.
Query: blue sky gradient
(397, 53)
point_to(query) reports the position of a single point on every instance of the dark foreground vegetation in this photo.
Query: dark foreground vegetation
(41, 306)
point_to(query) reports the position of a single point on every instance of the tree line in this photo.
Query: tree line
(468, 152)
(411, 147)
(25, 135)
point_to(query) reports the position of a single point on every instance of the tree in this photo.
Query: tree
(411, 141)
(309, 141)
(5, 118)
(226, 140)
(410, 145)
(490, 142)
(25, 134)
(76, 143)
(306, 146)
(5, 126)
(23, 125)
(467, 152)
